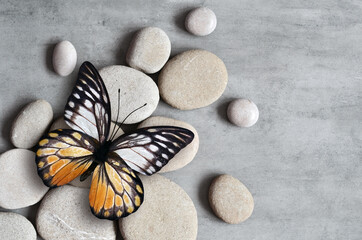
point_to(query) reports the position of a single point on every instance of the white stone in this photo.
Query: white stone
(230, 199)
(59, 123)
(166, 213)
(149, 50)
(201, 21)
(31, 123)
(20, 186)
(64, 58)
(243, 112)
(64, 214)
(136, 89)
(186, 155)
(193, 79)
(15, 226)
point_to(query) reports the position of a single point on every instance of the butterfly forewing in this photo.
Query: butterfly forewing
(62, 155)
(116, 191)
(88, 108)
(147, 150)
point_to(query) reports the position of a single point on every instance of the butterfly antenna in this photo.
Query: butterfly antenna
(126, 119)
(115, 125)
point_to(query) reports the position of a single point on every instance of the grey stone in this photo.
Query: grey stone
(64, 58)
(21, 185)
(243, 112)
(15, 226)
(65, 214)
(167, 212)
(230, 199)
(149, 50)
(136, 89)
(31, 123)
(193, 79)
(201, 21)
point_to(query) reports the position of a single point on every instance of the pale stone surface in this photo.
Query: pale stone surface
(243, 112)
(31, 123)
(193, 79)
(21, 186)
(230, 199)
(166, 213)
(201, 21)
(59, 123)
(64, 58)
(186, 155)
(136, 89)
(149, 50)
(15, 226)
(64, 214)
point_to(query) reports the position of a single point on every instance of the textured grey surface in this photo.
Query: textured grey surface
(298, 60)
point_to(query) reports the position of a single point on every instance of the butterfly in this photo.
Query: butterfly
(89, 149)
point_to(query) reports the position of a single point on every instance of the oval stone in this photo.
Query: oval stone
(31, 123)
(64, 58)
(243, 112)
(21, 185)
(193, 79)
(166, 213)
(136, 89)
(230, 199)
(65, 214)
(15, 226)
(186, 155)
(201, 21)
(149, 50)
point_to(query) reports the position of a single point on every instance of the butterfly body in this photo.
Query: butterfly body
(89, 149)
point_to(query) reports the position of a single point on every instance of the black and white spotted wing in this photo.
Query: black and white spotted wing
(88, 109)
(147, 150)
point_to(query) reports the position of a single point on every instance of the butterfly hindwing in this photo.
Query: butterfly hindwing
(147, 150)
(62, 155)
(88, 108)
(116, 191)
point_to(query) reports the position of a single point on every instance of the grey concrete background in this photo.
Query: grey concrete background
(298, 60)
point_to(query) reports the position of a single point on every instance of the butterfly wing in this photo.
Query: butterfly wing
(88, 109)
(149, 149)
(116, 191)
(62, 155)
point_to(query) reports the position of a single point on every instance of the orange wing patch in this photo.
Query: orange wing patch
(115, 192)
(62, 155)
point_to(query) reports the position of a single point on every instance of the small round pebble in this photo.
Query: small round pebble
(149, 50)
(15, 226)
(136, 89)
(186, 155)
(64, 214)
(201, 21)
(166, 213)
(193, 79)
(230, 199)
(243, 112)
(31, 123)
(21, 186)
(64, 58)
